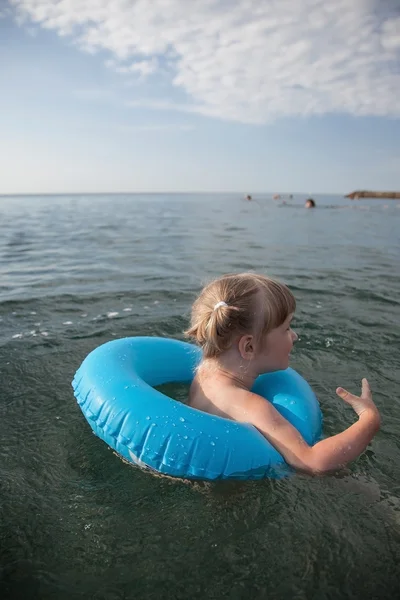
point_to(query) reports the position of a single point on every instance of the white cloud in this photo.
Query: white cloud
(391, 34)
(143, 67)
(245, 60)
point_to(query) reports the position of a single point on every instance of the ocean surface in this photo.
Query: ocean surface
(78, 523)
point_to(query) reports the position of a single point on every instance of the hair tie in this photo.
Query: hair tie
(222, 303)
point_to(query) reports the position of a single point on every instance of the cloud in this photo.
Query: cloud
(251, 61)
(391, 34)
(143, 67)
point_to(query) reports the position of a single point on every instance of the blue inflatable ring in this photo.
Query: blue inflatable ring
(115, 389)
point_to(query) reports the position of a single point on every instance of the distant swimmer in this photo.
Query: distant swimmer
(310, 203)
(248, 197)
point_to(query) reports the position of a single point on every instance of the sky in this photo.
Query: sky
(207, 95)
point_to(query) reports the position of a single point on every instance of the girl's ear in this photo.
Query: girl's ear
(246, 347)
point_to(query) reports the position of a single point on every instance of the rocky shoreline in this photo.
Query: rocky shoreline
(368, 194)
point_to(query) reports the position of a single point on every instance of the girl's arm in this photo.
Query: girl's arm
(327, 455)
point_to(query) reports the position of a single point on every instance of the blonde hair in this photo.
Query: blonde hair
(238, 304)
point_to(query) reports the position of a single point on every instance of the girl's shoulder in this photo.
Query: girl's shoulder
(241, 403)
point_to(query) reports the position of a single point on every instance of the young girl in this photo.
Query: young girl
(242, 323)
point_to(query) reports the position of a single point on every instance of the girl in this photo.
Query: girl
(242, 323)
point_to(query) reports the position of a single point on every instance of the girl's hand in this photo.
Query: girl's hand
(359, 403)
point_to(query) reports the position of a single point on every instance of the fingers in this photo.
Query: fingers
(348, 397)
(345, 395)
(365, 389)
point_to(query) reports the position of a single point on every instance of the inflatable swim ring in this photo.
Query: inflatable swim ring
(114, 388)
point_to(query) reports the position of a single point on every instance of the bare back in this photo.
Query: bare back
(220, 398)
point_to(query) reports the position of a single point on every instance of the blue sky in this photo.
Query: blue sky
(217, 95)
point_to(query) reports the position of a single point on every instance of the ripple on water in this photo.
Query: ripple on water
(75, 521)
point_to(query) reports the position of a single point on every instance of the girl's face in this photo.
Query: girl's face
(276, 347)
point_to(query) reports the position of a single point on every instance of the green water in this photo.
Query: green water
(77, 522)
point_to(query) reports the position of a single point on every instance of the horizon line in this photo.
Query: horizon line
(154, 193)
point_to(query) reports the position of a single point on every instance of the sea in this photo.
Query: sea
(76, 522)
